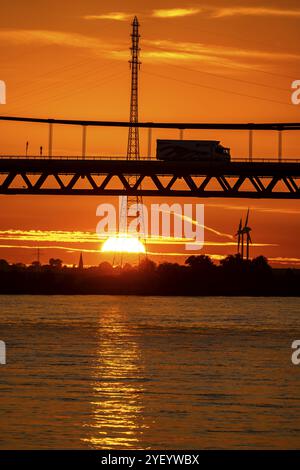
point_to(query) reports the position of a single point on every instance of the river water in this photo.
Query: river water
(117, 372)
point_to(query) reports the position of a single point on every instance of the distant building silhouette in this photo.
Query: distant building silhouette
(80, 265)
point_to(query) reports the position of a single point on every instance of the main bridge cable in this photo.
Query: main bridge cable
(272, 126)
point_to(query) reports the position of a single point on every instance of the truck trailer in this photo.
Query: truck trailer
(192, 150)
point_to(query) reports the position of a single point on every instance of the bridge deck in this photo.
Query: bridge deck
(59, 176)
(100, 166)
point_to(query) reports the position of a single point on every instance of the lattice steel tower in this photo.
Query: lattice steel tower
(133, 147)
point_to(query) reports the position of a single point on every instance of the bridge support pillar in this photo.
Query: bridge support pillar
(280, 145)
(250, 145)
(83, 142)
(149, 141)
(50, 144)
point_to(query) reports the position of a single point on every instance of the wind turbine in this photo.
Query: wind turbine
(239, 234)
(246, 231)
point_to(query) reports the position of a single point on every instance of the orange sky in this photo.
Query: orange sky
(225, 61)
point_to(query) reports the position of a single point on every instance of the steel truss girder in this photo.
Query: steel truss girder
(224, 189)
(269, 181)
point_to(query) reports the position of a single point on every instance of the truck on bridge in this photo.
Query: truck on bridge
(192, 150)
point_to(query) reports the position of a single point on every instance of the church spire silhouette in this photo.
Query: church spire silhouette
(80, 265)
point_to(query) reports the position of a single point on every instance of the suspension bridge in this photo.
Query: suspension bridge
(276, 178)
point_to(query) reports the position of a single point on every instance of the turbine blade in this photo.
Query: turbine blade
(246, 222)
(239, 228)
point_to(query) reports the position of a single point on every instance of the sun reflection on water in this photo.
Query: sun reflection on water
(118, 386)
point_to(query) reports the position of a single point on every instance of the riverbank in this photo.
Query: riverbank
(198, 277)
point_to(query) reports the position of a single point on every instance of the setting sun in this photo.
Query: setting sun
(123, 244)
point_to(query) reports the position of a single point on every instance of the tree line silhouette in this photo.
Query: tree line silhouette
(198, 276)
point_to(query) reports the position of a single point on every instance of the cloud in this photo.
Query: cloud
(206, 227)
(283, 211)
(155, 50)
(185, 57)
(285, 261)
(200, 51)
(175, 12)
(254, 11)
(25, 36)
(92, 44)
(173, 57)
(51, 247)
(217, 12)
(211, 11)
(80, 238)
(115, 15)
(49, 236)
